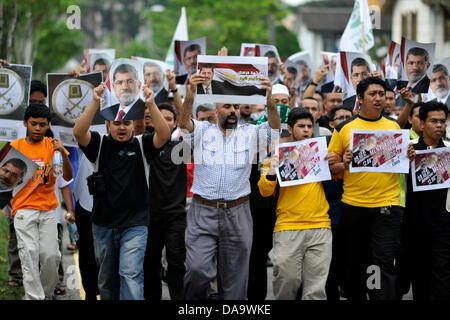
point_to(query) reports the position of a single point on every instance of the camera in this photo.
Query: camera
(96, 184)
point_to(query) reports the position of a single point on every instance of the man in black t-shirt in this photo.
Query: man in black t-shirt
(121, 197)
(167, 216)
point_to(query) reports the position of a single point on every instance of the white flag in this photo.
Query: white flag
(181, 33)
(352, 38)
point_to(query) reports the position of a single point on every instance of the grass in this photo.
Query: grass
(6, 292)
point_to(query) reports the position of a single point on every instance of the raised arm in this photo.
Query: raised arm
(408, 96)
(162, 132)
(318, 78)
(185, 121)
(81, 128)
(171, 78)
(272, 113)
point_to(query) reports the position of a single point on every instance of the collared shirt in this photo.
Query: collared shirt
(415, 83)
(126, 109)
(223, 164)
(207, 89)
(444, 99)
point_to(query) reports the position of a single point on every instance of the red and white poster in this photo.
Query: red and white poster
(431, 169)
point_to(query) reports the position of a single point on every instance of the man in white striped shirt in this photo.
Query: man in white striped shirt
(219, 220)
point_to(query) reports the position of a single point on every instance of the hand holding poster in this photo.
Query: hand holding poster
(68, 97)
(15, 171)
(302, 162)
(431, 169)
(231, 79)
(264, 50)
(15, 83)
(379, 151)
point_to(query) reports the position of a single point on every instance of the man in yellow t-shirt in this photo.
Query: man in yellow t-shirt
(371, 215)
(301, 252)
(33, 207)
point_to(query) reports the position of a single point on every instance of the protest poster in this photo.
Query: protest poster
(351, 68)
(231, 79)
(393, 61)
(186, 54)
(16, 170)
(96, 58)
(259, 50)
(416, 61)
(293, 70)
(15, 83)
(329, 59)
(379, 151)
(127, 80)
(68, 97)
(430, 169)
(303, 162)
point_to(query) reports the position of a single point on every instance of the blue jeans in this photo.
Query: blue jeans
(120, 257)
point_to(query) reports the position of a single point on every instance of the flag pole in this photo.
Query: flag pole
(361, 16)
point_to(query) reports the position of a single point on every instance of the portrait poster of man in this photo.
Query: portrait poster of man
(186, 53)
(68, 97)
(293, 71)
(15, 171)
(15, 82)
(328, 59)
(440, 83)
(265, 50)
(155, 75)
(379, 151)
(393, 62)
(125, 102)
(351, 68)
(417, 60)
(231, 79)
(95, 58)
(302, 162)
(303, 58)
(431, 169)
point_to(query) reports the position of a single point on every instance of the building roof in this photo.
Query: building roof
(332, 16)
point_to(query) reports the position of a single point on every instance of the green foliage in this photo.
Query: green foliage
(286, 42)
(224, 23)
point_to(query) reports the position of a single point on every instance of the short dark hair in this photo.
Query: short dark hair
(432, 106)
(297, 114)
(152, 64)
(292, 70)
(270, 54)
(37, 110)
(37, 85)
(440, 67)
(337, 108)
(100, 62)
(207, 66)
(359, 62)
(320, 94)
(416, 51)
(416, 105)
(202, 108)
(365, 83)
(192, 47)
(125, 68)
(18, 163)
(169, 107)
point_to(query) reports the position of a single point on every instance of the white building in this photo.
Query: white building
(423, 21)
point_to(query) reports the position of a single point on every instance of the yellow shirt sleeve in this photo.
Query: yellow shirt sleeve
(265, 186)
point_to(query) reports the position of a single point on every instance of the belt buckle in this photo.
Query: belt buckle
(219, 203)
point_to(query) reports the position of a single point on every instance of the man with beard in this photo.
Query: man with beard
(126, 87)
(417, 64)
(189, 61)
(304, 78)
(274, 67)
(154, 77)
(219, 220)
(439, 84)
(11, 175)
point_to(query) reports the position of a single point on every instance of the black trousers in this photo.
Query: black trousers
(86, 256)
(430, 264)
(263, 225)
(370, 238)
(334, 279)
(165, 229)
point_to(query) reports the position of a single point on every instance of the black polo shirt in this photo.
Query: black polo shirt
(427, 208)
(126, 203)
(168, 181)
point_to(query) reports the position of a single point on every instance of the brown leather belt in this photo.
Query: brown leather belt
(222, 205)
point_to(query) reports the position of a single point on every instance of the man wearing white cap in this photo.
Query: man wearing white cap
(280, 95)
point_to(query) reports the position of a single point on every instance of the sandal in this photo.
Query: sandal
(60, 291)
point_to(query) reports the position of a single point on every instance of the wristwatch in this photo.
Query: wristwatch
(313, 83)
(173, 91)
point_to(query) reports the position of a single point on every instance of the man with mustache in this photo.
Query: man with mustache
(274, 67)
(439, 84)
(190, 61)
(126, 87)
(154, 77)
(417, 64)
(11, 175)
(219, 221)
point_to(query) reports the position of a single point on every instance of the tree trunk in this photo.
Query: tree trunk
(11, 32)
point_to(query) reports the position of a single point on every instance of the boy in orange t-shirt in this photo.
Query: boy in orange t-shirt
(33, 207)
